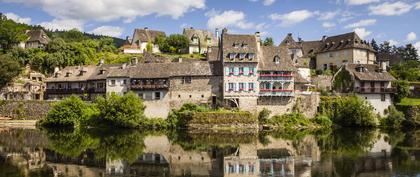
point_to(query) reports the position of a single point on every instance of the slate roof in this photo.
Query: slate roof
(370, 72)
(299, 78)
(289, 42)
(202, 35)
(146, 35)
(38, 36)
(213, 53)
(344, 41)
(310, 47)
(74, 74)
(102, 71)
(239, 43)
(267, 62)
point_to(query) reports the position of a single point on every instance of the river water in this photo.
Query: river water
(98, 153)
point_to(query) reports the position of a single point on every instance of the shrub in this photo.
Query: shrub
(322, 120)
(349, 111)
(290, 121)
(264, 116)
(394, 119)
(71, 112)
(121, 111)
(154, 124)
(403, 89)
(181, 117)
(223, 117)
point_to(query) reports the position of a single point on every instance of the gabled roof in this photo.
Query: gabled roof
(289, 42)
(239, 43)
(202, 35)
(213, 53)
(310, 47)
(102, 71)
(371, 72)
(344, 41)
(73, 74)
(146, 35)
(38, 36)
(270, 53)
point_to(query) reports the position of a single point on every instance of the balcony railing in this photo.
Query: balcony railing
(276, 75)
(276, 92)
(97, 90)
(149, 86)
(66, 91)
(374, 90)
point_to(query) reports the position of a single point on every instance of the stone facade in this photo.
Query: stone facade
(28, 86)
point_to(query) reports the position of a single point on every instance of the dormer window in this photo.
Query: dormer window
(244, 45)
(251, 56)
(277, 59)
(242, 56)
(232, 56)
(68, 74)
(236, 45)
(194, 39)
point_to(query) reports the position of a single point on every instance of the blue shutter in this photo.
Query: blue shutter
(236, 71)
(227, 71)
(246, 71)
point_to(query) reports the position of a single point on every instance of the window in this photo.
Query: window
(231, 87)
(141, 95)
(194, 40)
(331, 55)
(241, 70)
(190, 96)
(157, 96)
(383, 97)
(186, 80)
(113, 82)
(325, 67)
(251, 70)
(250, 86)
(242, 55)
(179, 96)
(231, 71)
(277, 59)
(124, 82)
(241, 86)
(251, 56)
(232, 56)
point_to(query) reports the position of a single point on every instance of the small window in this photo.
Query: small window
(251, 56)
(241, 86)
(277, 59)
(250, 86)
(186, 80)
(241, 70)
(242, 56)
(202, 96)
(231, 87)
(190, 96)
(383, 97)
(232, 56)
(231, 70)
(113, 82)
(325, 67)
(141, 95)
(179, 96)
(124, 82)
(157, 96)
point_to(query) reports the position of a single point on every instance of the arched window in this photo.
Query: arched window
(276, 59)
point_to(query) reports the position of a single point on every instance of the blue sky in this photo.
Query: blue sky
(391, 20)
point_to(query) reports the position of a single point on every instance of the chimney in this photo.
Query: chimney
(56, 69)
(324, 38)
(300, 39)
(383, 66)
(289, 34)
(179, 60)
(258, 37)
(124, 65)
(146, 28)
(191, 27)
(224, 31)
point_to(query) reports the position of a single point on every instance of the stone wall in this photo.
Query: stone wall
(305, 103)
(412, 113)
(27, 110)
(322, 82)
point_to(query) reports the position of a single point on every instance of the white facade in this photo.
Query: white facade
(380, 102)
(117, 85)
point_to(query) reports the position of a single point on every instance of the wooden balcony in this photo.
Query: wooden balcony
(149, 87)
(276, 92)
(66, 91)
(374, 90)
(276, 75)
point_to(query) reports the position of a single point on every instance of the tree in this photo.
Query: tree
(149, 47)
(410, 53)
(120, 111)
(11, 33)
(385, 47)
(268, 41)
(403, 89)
(374, 45)
(172, 44)
(394, 119)
(9, 69)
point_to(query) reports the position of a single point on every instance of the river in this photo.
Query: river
(32, 152)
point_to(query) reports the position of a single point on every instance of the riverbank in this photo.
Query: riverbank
(17, 123)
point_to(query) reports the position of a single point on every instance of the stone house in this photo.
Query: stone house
(200, 40)
(332, 52)
(29, 86)
(37, 39)
(369, 81)
(141, 38)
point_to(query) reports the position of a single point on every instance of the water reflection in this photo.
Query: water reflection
(92, 153)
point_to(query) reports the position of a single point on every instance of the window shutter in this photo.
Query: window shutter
(245, 86)
(227, 71)
(235, 86)
(246, 71)
(226, 87)
(236, 71)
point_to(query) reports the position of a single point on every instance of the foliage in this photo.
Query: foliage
(322, 120)
(8, 70)
(121, 111)
(149, 47)
(410, 102)
(394, 119)
(264, 116)
(223, 117)
(342, 82)
(71, 112)
(172, 44)
(268, 42)
(374, 45)
(348, 111)
(181, 117)
(11, 33)
(154, 124)
(408, 70)
(403, 89)
(290, 121)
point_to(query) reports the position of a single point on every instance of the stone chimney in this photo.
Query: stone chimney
(124, 65)
(179, 60)
(56, 69)
(101, 62)
(383, 66)
(217, 34)
(258, 38)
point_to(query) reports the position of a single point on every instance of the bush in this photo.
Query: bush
(264, 116)
(154, 124)
(121, 111)
(223, 117)
(72, 112)
(181, 117)
(290, 121)
(394, 119)
(349, 111)
(322, 120)
(403, 89)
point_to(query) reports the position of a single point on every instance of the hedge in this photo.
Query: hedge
(214, 118)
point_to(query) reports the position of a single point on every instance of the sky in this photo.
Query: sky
(396, 21)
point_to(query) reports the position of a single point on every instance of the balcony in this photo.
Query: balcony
(276, 75)
(276, 92)
(149, 86)
(66, 91)
(374, 90)
(97, 90)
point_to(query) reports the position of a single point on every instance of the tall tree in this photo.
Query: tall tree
(410, 52)
(268, 41)
(374, 45)
(11, 33)
(385, 47)
(8, 69)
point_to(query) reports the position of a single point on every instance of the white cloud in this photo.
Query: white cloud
(328, 25)
(390, 9)
(268, 2)
(112, 31)
(63, 24)
(411, 36)
(362, 32)
(361, 23)
(328, 15)
(292, 18)
(17, 18)
(230, 18)
(109, 10)
(360, 2)
(417, 5)
(393, 42)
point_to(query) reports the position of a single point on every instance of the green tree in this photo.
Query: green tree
(120, 111)
(268, 41)
(175, 43)
(385, 47)
(149, 47)
(11, 33)
(70, 112)
(403, 89)
(374, 45)
(9, 69)
(394, 119)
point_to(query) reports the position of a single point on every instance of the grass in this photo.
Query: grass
(410, 102)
